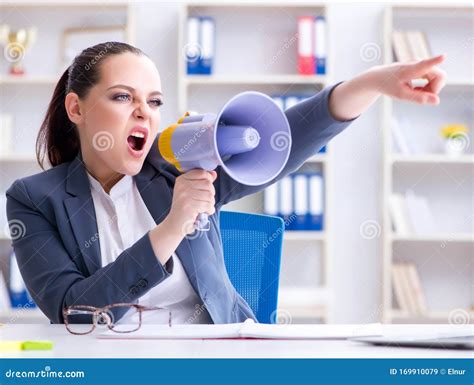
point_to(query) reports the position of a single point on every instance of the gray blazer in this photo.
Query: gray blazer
(59, 253)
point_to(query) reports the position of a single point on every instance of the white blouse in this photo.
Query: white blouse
(122, 219)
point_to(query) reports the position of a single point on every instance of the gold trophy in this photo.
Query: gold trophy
(15, 44)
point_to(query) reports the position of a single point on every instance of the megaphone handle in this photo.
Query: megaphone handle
(202, 222)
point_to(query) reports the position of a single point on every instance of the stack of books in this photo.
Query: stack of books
(407, 288)
(410, 45)
(411, 214)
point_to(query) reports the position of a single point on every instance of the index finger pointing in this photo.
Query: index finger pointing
(426, 64)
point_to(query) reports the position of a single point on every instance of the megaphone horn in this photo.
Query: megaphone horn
(249, 138)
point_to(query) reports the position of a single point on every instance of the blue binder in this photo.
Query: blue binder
(301, 199)
(286, 202)
(315, 218)
(207, 40)
(320, 45)
(193, 46)
(200, 45)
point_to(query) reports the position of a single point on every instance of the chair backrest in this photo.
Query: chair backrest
(252, 246)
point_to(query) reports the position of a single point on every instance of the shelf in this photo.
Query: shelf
(295, 312)
(304, 303)
(68, 4)
(318, 158)
(300, 296)
(17, 158)
(431, 315)
(460, 238)
(255, 79)
(49, 80)
(432, 158)
(22, 316)
(433, 6)
(243, 4)
(314, 235)
(460, 82)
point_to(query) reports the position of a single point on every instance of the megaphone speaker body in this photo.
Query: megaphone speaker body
(249, 138)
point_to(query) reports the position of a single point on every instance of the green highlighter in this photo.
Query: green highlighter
(37, 345)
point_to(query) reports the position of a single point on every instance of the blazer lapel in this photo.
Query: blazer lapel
(81, 214)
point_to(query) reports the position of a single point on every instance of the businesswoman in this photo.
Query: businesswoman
(108, 222)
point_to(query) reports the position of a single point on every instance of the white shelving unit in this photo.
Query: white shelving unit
(442, 259)
(247, 68)
(34, 90)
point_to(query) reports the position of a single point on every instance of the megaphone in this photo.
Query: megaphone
(249, 138)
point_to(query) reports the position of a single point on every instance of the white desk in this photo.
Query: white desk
(70, 346)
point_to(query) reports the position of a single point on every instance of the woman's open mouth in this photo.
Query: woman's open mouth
(136, 141)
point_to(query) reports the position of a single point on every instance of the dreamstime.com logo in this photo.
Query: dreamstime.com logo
(44, 373)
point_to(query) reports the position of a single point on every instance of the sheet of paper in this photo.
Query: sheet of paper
(309, 331)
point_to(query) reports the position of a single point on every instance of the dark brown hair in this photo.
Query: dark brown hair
(58, 137)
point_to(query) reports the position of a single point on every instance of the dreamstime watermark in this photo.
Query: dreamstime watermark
(178, 154)
(459, 142)
(280, 141)
(284, 47)
(21, 310)
(370, 229)
(281, 317)
(459, 317)
(44, 373)
(15, 229)
(192, 52)
(91, 240)
(97, 57)
(103, 141)
(279, 231)
(14, 52)
(468, 43)
(370, 52)
(96, 236)
(190, 231)
(445, 243)
(198, 310)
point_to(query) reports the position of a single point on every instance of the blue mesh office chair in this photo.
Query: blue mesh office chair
(252, 251)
